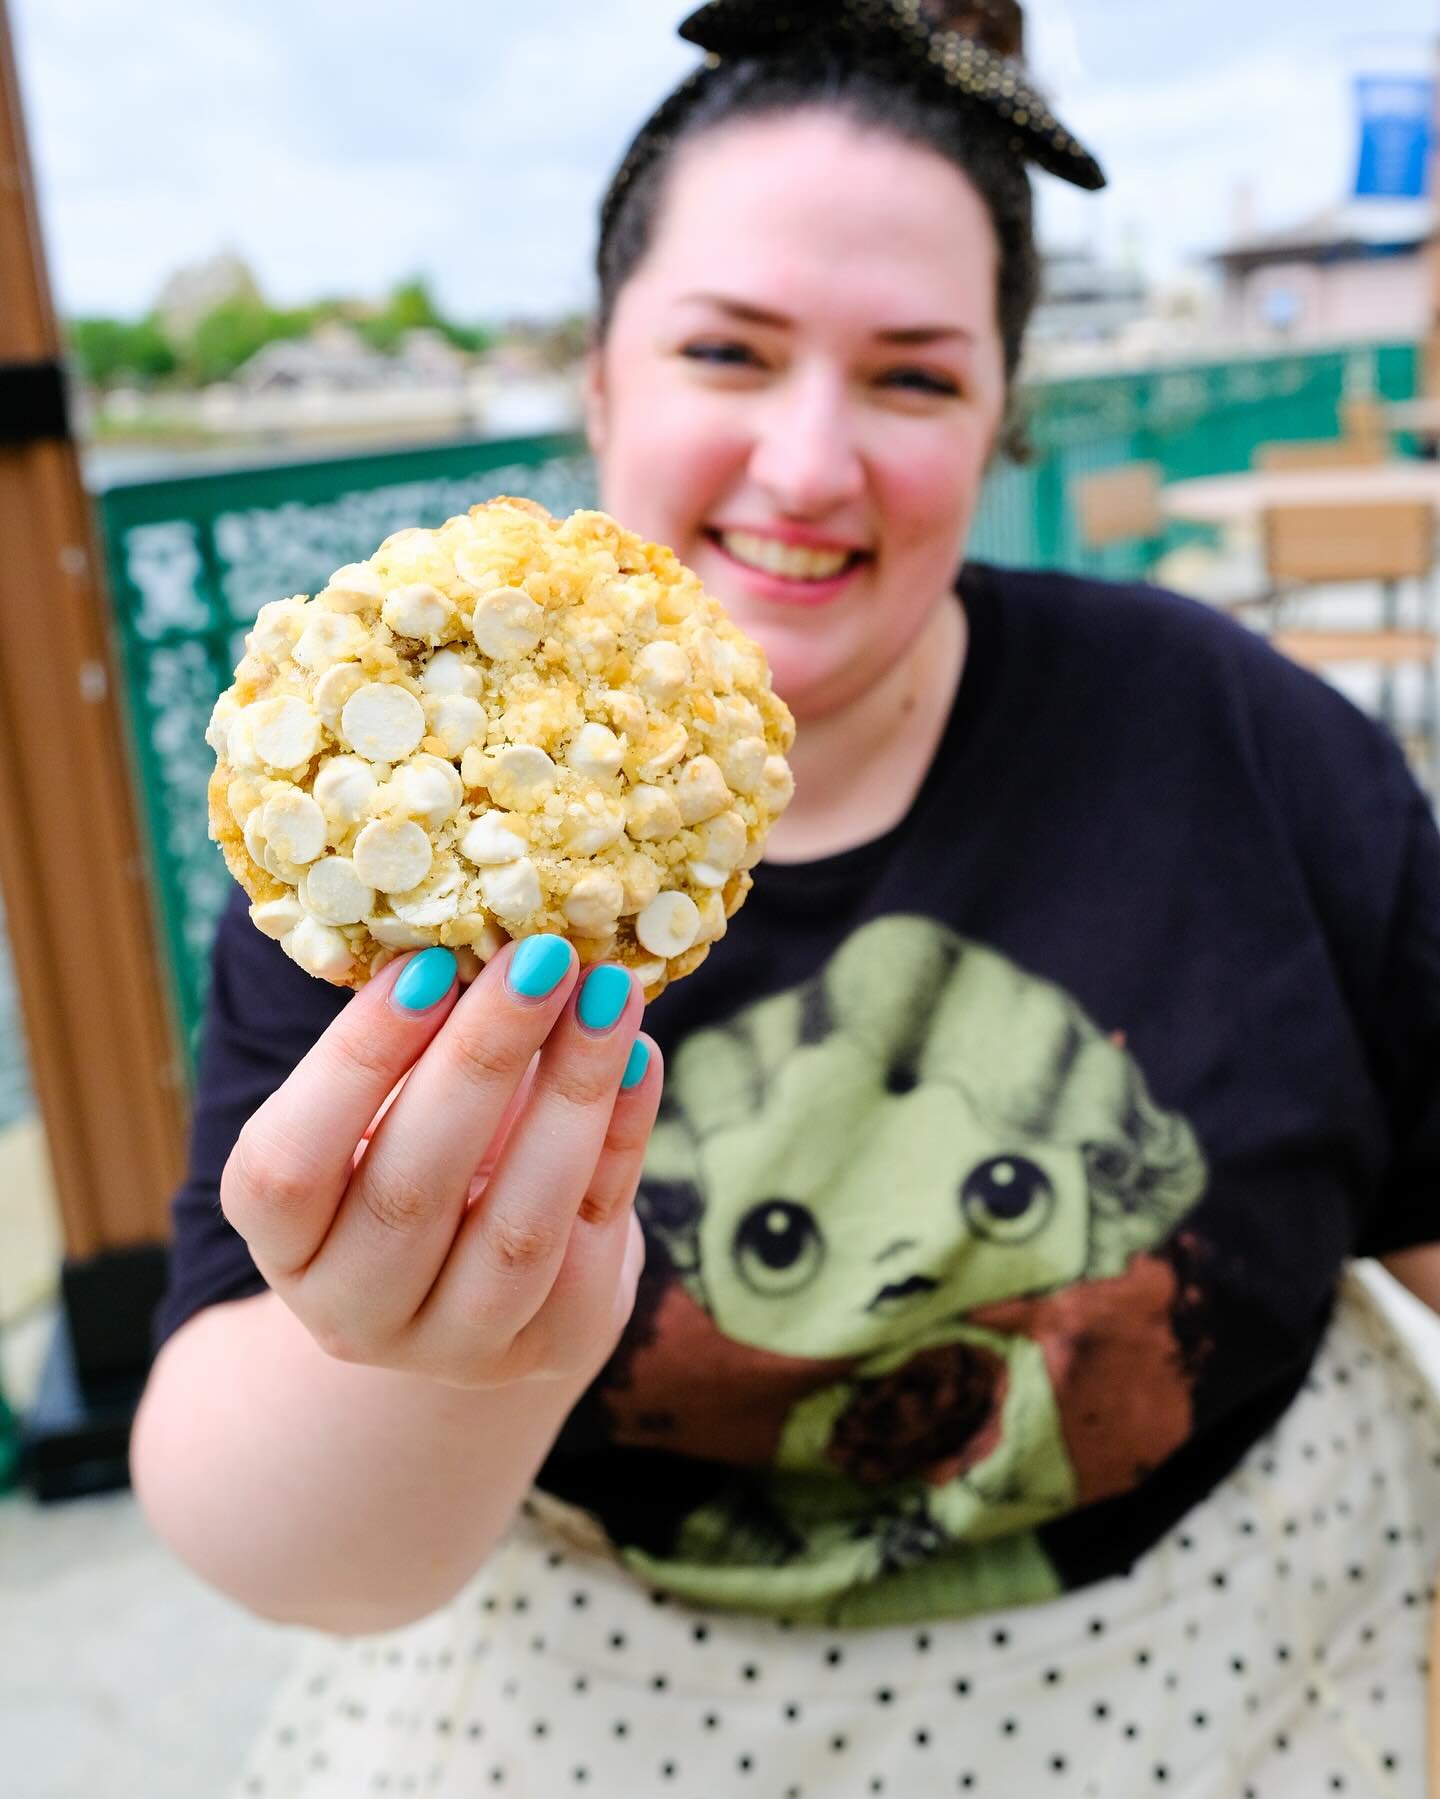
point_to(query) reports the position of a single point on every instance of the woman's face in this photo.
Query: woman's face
(801, 387)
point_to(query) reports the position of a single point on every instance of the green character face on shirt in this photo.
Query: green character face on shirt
(921, 1131)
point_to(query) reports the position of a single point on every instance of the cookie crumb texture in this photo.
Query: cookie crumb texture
(508, 725)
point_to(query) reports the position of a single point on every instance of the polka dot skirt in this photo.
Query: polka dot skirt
(1272, 1647)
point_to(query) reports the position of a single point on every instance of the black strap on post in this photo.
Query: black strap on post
(32, 403)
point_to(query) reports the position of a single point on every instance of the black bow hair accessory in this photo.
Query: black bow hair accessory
(903, 31)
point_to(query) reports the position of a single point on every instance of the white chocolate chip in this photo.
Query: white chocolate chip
(700, 791)
(382, 721)
(242, 796)
(669, 925)
(408, 549)
(476, 932)
(596, 753)
(713, 922)
(240, 751)
(648, 973)
(723, 839)
(255, 837)
(627, 710)
(396, 934)
(429, 789)
(457, 720)
(345, 787)
(592, 823)
(353, 588)
(512, 892)
(284, 733)
(435, 901)
(474, 563)
(291, 873)
(334, 687)
(217, 732)
(328, 638)
(447, 671)
(319, 950)
(277, 629)
(392, 854)
(294, 826)
(662, 670)
(744, 763)
(334, 893)
(506, 623)
(418, 610)
(651, 816)
(777, 783)
(277, 918)
(491, 841)
(522, 777)
(594, 902)
(663, 746)
(642, 882)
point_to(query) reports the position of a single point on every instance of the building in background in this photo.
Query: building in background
(1361, 269)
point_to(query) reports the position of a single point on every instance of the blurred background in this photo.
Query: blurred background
(275, 282)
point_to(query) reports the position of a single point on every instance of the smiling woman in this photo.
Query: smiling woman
(1082, 1027)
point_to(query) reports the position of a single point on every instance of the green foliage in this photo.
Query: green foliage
(110, 351)
(231, 333)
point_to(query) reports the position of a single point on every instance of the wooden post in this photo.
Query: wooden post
(102, 1044)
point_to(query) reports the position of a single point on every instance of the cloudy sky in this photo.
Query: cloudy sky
(339, 148)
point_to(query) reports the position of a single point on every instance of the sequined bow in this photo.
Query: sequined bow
(727, 28)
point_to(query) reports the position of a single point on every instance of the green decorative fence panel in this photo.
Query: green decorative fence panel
(192, 560)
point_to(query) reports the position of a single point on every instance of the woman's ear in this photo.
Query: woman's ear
(597, 405)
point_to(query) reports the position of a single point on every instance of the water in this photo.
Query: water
(15, 1097)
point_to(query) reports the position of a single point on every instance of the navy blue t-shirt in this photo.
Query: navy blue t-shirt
(1008, 1163)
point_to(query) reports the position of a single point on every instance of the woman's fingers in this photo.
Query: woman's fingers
(405, 1201)
(594, 1291)
(291, 1163)
(515, 1237)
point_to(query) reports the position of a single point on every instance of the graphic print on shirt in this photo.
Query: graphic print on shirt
(902, 1296)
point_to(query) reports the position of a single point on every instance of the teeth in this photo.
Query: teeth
(793, 561)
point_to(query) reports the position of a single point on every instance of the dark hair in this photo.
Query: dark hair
(719, 94)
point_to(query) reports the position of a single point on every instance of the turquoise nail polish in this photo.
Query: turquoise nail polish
(425, 980)
(638, 1063)
(539, 965)
(603, 997)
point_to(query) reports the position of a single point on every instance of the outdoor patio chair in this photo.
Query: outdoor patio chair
(1378, 545)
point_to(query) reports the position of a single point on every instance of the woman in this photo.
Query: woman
(1084, 1023)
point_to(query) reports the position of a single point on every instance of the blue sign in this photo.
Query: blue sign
(1397, 136)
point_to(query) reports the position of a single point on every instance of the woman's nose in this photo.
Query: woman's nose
(806, 455)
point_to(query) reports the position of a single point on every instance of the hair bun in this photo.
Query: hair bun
(997, 24)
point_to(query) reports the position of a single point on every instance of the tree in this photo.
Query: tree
(108, 351)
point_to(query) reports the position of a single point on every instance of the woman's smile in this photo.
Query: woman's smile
(788, 566)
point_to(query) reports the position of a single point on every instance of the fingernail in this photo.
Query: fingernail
(603, 997)
(425, 980)
(638, 1063)
(538, 966)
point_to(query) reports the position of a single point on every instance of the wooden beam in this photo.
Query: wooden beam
(101, 1040)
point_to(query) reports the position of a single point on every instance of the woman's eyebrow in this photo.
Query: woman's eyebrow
(909, 336)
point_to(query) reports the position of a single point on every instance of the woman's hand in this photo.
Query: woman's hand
(425, 1200)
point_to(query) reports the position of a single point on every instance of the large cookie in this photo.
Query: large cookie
(509, 725)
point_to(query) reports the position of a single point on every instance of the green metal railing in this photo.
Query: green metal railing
(191, 560)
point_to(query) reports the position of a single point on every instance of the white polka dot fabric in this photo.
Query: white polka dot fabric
(1271, 1647)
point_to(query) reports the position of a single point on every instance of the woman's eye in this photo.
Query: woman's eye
(724, 355)
(921, 381)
